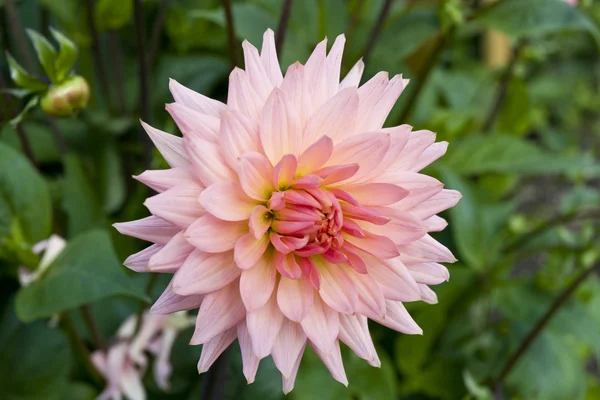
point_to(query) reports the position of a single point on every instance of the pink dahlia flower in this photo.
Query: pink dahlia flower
(290, 216)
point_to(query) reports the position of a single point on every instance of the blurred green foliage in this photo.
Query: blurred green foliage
(526, 226)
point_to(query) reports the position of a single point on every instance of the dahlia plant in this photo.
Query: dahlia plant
(290, 216)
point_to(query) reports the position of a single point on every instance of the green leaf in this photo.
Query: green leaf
(111, 176)
(112, 14)
(5, 217)
(503, 154)
(41, 140)
(66, 56)
(80, 200)
(515, 113)
(251, 22)
(35, 359)
(45, 53)
(27, 194)
(22, 78)
(520, 18)
(86, 271)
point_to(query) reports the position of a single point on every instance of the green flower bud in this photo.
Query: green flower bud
(66, 98)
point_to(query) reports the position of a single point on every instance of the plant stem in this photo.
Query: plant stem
(93, 327)
(503, 87)
(18, 34)
(96, 51)
(230, 32)
(81, 350)
(543, 321)
(423, 76)
(143, 304)
(26, 145)
(286, 11)
(116, 54)
(354, 21)
(143, 82)
(59, 138)
(44, 20)
(159, 24)
(217, 378)
(385, 9)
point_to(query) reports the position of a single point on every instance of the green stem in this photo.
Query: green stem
(18, 34)
(81, 350)
(143, 304)
(230, 32)
(383, 13)
(26, 145)
(286, 11)
(92, 327)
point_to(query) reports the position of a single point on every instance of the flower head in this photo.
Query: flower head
(290, 216)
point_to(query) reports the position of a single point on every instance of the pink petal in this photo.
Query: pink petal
(203, 273)
(354, 332)
(337, 289)
(376, 194)
(138, 262)
(288, 383)
(151, 229)
(238, 136)
(163, 179)
(172, 255)
(194, 124)
(284, 172)
(333, 64)
(336, 118)
(337, 173)
(212, 349)
(295, 297)
(287, 265)
(377, 245)
(208, 163)
(296, 91)
(428, 295)
(213, 235)
(264, 325)
(227, 201)
(279, 244)
(279, 127)
(268, 56)
(289, 345)
(398, 319)
(395, 282)
(315, 156)
(365, 214)
(301, 198)
(178, 205)
(254, 172)
(257, 283)
(321, 325)
(352, 79)
(309, 269)
(315, 75)
(440, 202)
(366, 149)
(428, 273)
(242, 97)
(196, 101)
(248, 250)
(249, 360)
(169, 302)
(403, 228)
(435, 224)
(355, 260)
(170, 146)
(426, 249)
(255, 70)
(420, 187)
(378, 109)
(333, 362)
(219, 312)
(290, 227)
(260, 221)
(370, 298)
(429, 155)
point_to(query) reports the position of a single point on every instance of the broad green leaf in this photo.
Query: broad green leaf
(520, 18)
(112, 14)
(67, 55)
(5, 217)
(41, 140)
(80, 201)
(86, 271)
(35, 359)
(503, 154)
(26, 193)
(45, 53)
(21, 78)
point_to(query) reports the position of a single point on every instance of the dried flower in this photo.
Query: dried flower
(290, 216)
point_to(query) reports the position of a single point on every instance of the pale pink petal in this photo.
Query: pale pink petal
(255, 71)
(170, 146)
(219, 312)
(194, 124)
(131, 384)
(377, 245)
(428, 273)
(315, 156)
(417, 143)
(287, 265)
(227, 201)
(162, 365)
(268, 56)
(279, 127)
(352, 79)
(398, 319)
(213, 235)
(428, 156)
(376, 194)
(196, 101)
(212, 349)
(420, 187)
(248, 250)
(284, 172)
(296, 91)
(208, 163)
(354, 332)
(257, 283)
(289, 345)
(321, 325)
(295, 297)
(435, 224)
(395, 282)
(369, 94)
(288, 383)
(333, 65)
(138, 262)
(169, 302)
(242, 97)
(178, 205)
(260, 221)
(151, 229)
(402, 229)
(249, 360)
(315, 75)
(428, 295)
(367, 149)
(172, 255)
(373, 113)
(255, 172)
(238, 135)
(440, 202)
(426, 249)
(337, 289)
(163, 179)
(203, 273)
(370, 298)
(336, 118)
(333, 362)
(337, 173)
(264, 325)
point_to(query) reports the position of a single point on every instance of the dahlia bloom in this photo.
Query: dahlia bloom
(290, 216)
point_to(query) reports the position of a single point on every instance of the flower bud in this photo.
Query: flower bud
(66, 98)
